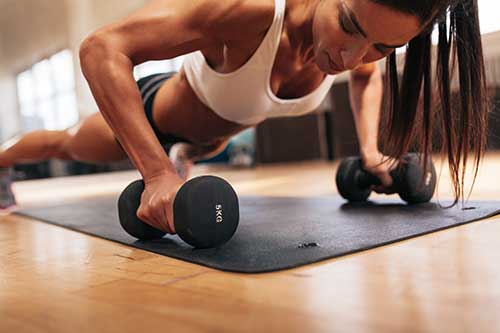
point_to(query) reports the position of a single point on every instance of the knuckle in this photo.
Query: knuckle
(164, 200)
(142, 214)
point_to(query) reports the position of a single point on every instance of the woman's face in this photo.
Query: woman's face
(355, 32)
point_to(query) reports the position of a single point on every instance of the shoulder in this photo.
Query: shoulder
(232, 20)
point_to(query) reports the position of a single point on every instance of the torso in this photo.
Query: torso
(176, 104)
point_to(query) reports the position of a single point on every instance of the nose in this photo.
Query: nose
(354, 56)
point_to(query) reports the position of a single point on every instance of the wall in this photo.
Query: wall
(31, 30)
(25, 36)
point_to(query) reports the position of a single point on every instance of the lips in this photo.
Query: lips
(334, 65)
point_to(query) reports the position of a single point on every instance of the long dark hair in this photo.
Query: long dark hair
(462, 121)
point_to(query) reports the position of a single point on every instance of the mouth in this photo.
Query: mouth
(333, 65)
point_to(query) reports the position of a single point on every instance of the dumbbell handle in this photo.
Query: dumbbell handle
(365, 179)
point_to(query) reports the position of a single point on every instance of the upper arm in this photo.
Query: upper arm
(165, 29)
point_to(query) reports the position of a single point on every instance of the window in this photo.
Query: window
(488, 16)
(153, 67)
(487, 20)
(46, 94)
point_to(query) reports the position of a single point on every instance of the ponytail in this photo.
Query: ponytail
(463, 122)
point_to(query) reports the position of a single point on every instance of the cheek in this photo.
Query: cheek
(327, 35)
(318, 32)
(373, 56)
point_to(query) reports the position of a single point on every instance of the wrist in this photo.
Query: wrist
(151, 175)
(369, 151)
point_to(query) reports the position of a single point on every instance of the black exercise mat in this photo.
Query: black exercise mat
(279, 233)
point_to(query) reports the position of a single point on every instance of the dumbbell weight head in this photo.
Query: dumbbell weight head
(413, 186)
(206, 212)
(350, 180)
(128, 204)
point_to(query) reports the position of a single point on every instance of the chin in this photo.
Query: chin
(324, 68)
(339, 71)
(326, 71)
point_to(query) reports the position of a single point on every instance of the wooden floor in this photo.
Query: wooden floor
(55, 280)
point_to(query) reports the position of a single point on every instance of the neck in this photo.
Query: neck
(299, 26)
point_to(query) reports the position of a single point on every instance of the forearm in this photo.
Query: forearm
(365, 92)
(112, 83)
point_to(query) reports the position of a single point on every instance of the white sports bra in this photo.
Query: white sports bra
(245, 96)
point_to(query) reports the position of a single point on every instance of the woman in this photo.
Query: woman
(268, 58)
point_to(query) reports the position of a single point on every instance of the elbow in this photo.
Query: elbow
(100, 55)
(88, 52)
(93, 50)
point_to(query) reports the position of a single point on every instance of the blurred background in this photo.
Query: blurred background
(41, 87)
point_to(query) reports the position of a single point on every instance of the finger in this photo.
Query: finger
(156, 216)
(170, 211)
(393, 164)
(143, 217)
(170, 220)
(390, 191)
(152, 220)
(161, 218)
(379, 189)
(166, 216)
(385, 179)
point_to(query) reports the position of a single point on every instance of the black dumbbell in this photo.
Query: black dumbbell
(355, 184)
(206, 212)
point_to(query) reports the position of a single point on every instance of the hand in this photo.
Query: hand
(157, 201)
(380, 166)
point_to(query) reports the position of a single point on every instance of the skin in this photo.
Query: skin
(228, 33)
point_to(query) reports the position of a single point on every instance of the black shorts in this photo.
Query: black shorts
(148, 87)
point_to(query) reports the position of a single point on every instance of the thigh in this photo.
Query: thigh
(92, 140)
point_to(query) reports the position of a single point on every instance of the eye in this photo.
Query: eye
(343, 22)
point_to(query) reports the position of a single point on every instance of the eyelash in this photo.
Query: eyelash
(344, 27)
(352, 33)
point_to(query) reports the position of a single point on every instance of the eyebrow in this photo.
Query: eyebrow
(348, 12)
